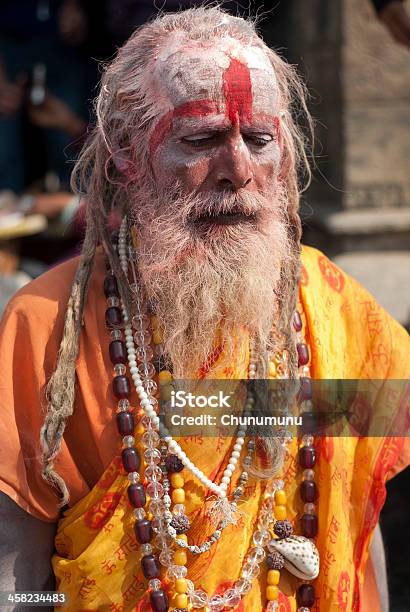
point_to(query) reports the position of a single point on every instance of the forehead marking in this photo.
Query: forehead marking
(237, 92)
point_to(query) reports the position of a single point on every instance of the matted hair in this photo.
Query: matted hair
(114, 163)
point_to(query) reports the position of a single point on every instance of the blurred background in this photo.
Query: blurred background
(354, 56)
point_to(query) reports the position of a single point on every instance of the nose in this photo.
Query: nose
(233, 168)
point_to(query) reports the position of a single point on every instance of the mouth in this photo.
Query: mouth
(233, 217)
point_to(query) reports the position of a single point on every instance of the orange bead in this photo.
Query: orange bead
(181, 601)
(280, 497)
(177, 480)
(182, 536)
(154, 322)
(178, 496)
(273, 577)
(181, 585)
(280, 513)
(165, 377)
(272, 370)
(272, 593)
(180, 557)
(156, 336)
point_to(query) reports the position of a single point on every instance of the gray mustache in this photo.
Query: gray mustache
(222, 204)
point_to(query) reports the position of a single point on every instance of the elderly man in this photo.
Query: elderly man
(197, 151)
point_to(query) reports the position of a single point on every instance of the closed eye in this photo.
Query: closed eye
(260, 140)
(209, 138)
(201, 139)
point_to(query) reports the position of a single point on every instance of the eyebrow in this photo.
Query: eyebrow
(206, 124)
(224, 125)
(192, 108)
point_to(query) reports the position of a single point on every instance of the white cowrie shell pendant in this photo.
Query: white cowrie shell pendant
(301, 556)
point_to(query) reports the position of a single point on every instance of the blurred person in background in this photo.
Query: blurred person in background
(42, 111)
(39, 52)
(38, 228)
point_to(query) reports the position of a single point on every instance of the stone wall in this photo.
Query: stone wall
(359, 79)
(376, 92)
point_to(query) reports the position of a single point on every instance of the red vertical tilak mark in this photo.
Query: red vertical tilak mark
(237, 90)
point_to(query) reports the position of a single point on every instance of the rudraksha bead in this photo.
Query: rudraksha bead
(118, 352)
(180, 523)
(159, 601)
(125, 423)
(136, 495)
(130, 459)
(308, 491)
(307, 457)
(143, 531)
(150, 567)
(121, 387)
(111, 287)
(305, 595)
(174, 463)
(275, 560)
(283, 529)
(309, 525)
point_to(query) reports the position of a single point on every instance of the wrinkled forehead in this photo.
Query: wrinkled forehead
(220, 79)
(186, 73)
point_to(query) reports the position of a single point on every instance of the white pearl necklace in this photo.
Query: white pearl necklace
(174, 447)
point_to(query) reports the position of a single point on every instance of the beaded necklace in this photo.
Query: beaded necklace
(166, 526)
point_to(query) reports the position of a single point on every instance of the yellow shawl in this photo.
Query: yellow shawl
(97, 561)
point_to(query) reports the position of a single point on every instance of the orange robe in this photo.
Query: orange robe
(97, 558)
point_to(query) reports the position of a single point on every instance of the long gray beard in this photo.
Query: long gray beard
(208, 288)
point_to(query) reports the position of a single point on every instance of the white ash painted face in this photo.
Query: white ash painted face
(220, 123)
